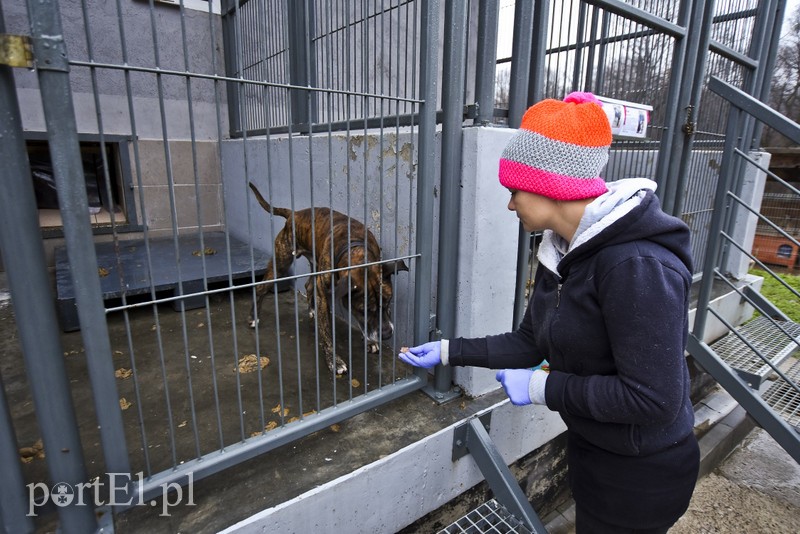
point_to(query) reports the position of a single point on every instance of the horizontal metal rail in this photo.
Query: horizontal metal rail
(250, 285)
(239, 80)
(217, 461)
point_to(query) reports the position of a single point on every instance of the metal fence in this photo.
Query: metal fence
(161, 277)
(171, 108)
(652, 52)
(364, 54)
(755, 361)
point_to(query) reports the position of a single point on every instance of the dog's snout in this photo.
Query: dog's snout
(387, 330)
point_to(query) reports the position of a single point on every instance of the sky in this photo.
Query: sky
(791, 6)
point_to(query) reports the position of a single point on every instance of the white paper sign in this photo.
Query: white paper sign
(627, 119)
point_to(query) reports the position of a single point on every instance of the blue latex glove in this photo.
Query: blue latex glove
(516, 383)
(427, 355)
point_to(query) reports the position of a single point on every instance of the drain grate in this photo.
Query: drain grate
(773, 345)
(784, 398)
(491, 516)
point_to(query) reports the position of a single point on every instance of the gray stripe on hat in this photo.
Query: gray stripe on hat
(534, 149)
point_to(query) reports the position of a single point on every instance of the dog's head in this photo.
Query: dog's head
(367, 292)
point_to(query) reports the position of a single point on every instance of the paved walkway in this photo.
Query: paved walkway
(753, 489)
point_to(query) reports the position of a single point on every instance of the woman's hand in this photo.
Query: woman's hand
(426, 356)
(523, 386)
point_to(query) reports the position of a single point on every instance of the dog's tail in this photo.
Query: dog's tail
(281, 212)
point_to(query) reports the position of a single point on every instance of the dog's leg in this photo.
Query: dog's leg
(310, 297)
(283, 258)
(325, 325)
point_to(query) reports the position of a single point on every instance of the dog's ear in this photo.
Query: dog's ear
(393, 267)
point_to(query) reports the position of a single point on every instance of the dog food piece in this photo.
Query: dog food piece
(403, 349)
(249, 363)
(123, 373)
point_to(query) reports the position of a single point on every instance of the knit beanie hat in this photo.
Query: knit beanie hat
(559, 149)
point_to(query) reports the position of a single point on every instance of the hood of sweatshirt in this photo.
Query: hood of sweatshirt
(629, 211)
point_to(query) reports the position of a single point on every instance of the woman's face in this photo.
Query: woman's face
(534, 211)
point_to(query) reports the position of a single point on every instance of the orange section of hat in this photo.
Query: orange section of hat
(583, 124)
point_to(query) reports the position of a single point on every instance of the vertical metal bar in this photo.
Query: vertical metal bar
(692, 83)
(717, 219)
(428, 83)
(488, 15)
(535, 91)
(520, 62)
(13, 501)
(53, 74)
(453, 67)
(224, 207)
(771, 14)
(600, 81)
(300, 55)
(579, 46)
(24, 259)
(233, 68)
(671, 119)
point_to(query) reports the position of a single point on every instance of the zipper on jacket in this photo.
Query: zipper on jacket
(558, 295)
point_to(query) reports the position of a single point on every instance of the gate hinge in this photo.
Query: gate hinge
(16, 50)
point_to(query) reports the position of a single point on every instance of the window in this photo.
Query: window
(784, 251)
(103, 200)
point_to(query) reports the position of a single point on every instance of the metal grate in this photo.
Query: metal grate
(772, 345)
(784, 397)
(491, 516)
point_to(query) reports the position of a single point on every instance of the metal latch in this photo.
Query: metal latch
(16, 50)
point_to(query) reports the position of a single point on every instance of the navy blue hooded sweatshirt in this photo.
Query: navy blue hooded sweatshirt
(611, 318)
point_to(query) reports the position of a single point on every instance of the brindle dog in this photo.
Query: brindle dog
(339, 242)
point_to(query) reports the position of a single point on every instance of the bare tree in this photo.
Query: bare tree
(785, 90)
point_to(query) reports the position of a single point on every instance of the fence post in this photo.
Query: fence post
(53, 73)
(428, 83)
(487, 60)
(13, 504)
(301, 64)
(34, 308)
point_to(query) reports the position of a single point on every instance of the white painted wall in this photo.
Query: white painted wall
(488, 251)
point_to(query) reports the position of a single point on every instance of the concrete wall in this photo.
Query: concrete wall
(195, 171)
(395, 498)
(371, 179)
(205, 57)
(141, 106)
(488, 250)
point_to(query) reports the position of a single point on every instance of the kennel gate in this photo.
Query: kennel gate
(103, 69)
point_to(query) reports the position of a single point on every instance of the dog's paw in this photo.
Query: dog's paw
(338, 367)
(252, 323)
(373, 348)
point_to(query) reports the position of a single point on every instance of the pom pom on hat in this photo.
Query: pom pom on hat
(559, 150)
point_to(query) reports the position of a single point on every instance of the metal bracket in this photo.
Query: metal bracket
(50, 53)
(461, 433)
(16, 51)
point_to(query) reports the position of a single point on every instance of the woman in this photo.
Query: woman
(609, 313)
